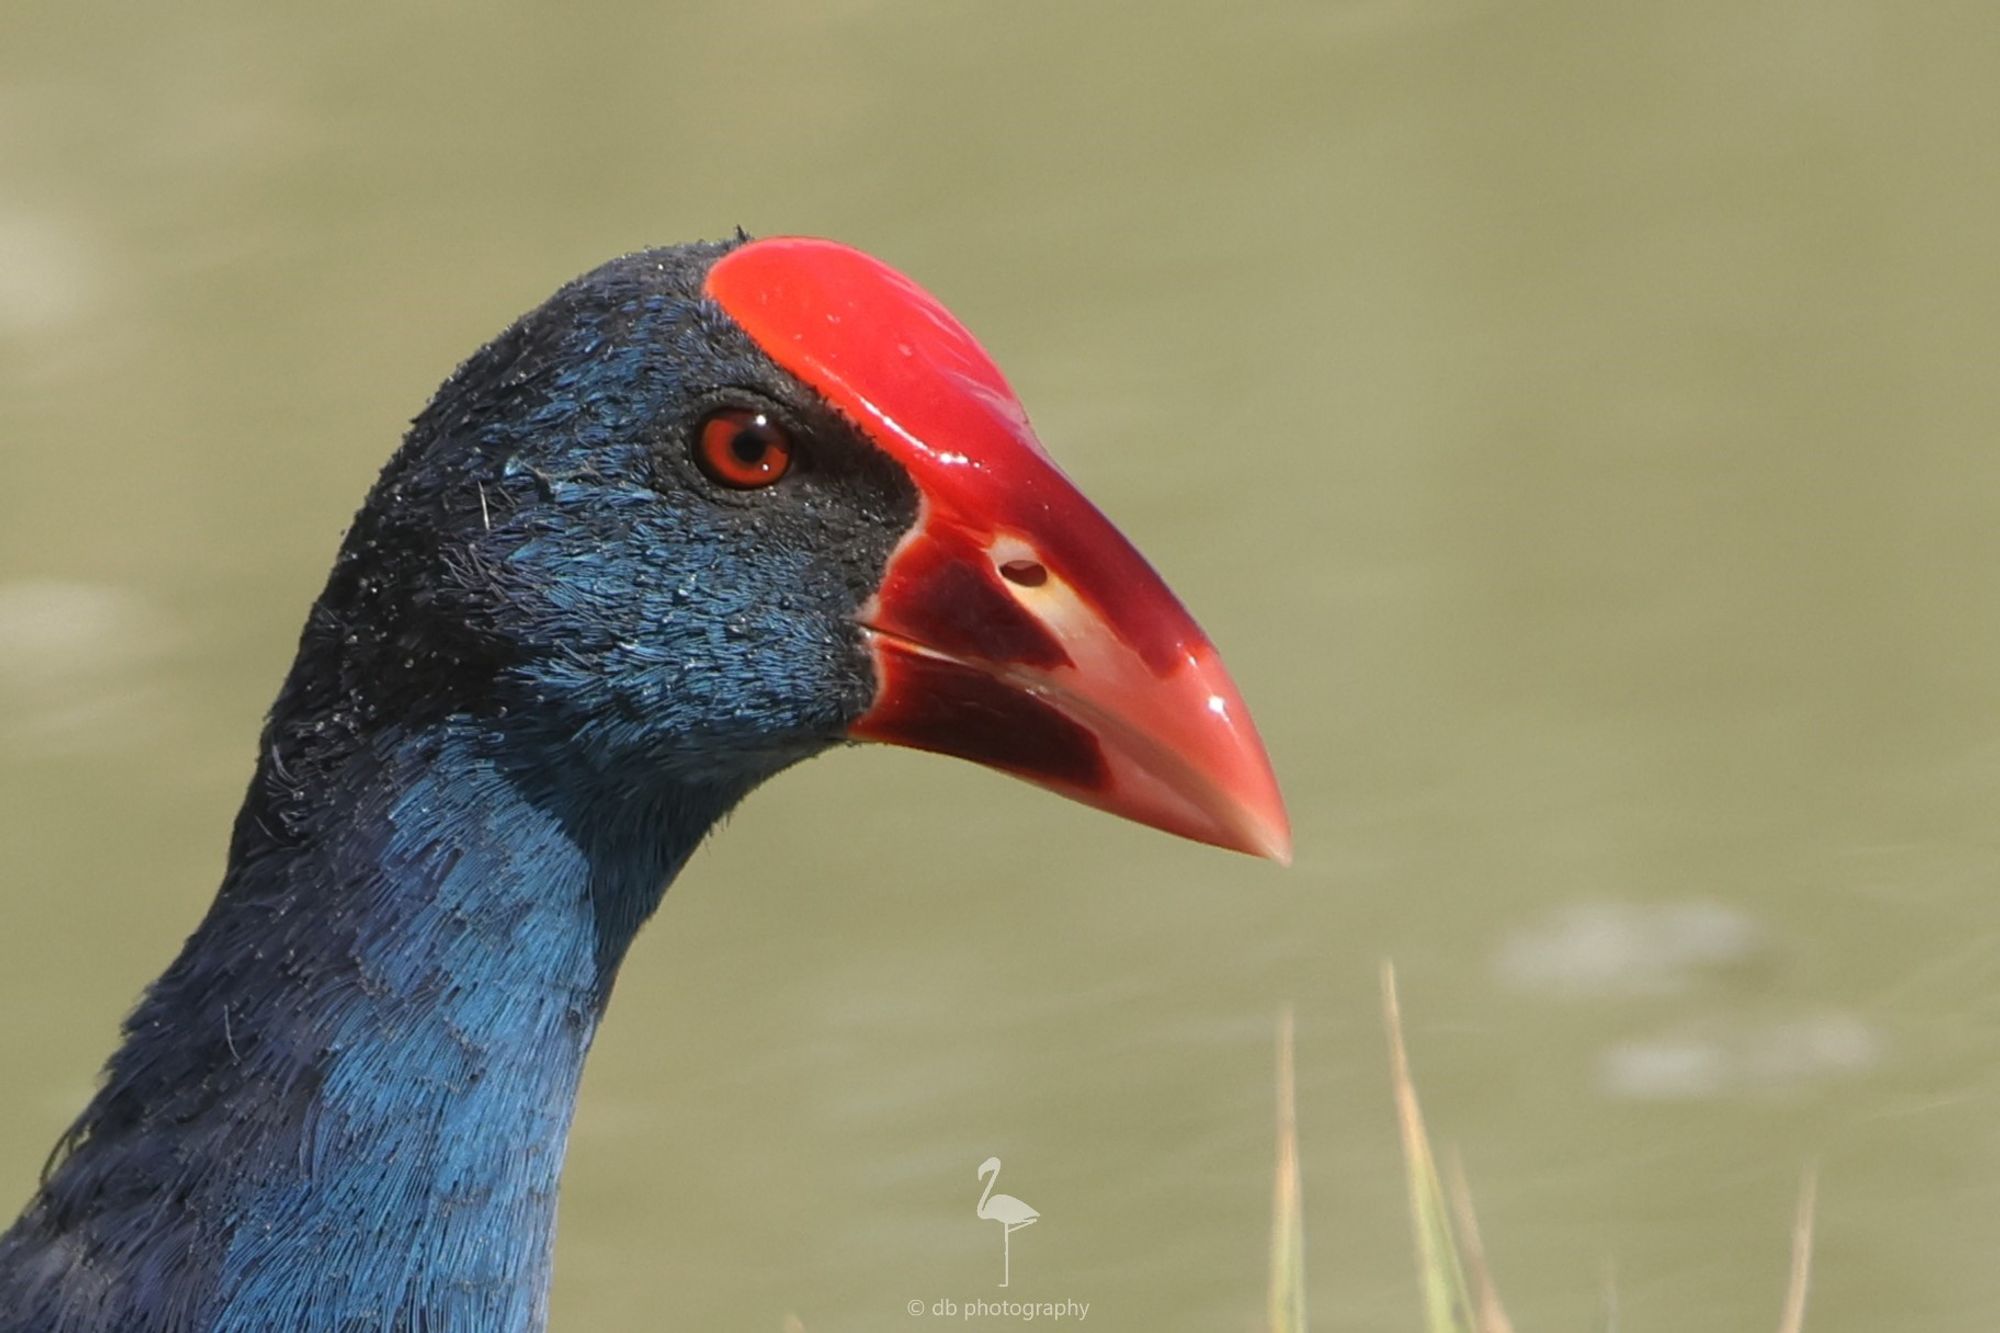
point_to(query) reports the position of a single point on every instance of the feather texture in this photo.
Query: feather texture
(547, 660)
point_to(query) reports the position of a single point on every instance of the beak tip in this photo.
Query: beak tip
(1270, 839)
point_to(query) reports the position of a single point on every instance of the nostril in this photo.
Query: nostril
(1027, 573)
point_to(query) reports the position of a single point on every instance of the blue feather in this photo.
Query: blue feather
(545, 664)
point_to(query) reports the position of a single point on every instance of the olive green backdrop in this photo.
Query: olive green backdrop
(1574, 421)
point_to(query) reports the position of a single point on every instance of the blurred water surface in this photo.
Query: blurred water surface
(1575, 423)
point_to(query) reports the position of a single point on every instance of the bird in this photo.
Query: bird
(1008, 1211)
(708, 511)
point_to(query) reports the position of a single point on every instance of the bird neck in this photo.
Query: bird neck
(346, 1103)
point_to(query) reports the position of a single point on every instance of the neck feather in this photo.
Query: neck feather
(346, 1103)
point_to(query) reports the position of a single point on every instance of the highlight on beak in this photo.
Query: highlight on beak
(1014, 625)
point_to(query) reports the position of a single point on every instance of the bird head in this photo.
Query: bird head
(713, 508)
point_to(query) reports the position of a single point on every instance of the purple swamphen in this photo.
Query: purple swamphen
(708, 511)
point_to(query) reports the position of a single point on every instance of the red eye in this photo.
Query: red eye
(742, 449)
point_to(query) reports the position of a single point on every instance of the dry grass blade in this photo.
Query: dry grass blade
(1447, 1308)
(1794, 1317)
(1487, 1314)
(1287, 1302)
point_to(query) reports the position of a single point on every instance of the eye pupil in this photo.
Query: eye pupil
(742, 450)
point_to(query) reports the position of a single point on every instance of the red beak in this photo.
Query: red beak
(1014, 625)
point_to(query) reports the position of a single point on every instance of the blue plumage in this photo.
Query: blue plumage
(547, 660)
